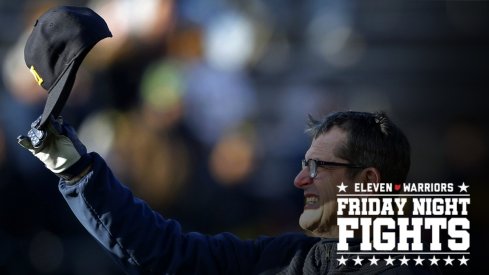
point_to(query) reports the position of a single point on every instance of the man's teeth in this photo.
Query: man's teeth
(311, 200)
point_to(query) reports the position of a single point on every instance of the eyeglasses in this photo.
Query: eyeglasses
(313, 165)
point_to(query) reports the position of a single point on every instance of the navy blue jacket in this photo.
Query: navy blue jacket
(143, 242)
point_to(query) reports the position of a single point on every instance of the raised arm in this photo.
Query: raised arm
(140, 239)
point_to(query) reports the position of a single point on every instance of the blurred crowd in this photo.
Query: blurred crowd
(199, 106)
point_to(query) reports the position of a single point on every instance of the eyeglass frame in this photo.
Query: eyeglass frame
(313, 172)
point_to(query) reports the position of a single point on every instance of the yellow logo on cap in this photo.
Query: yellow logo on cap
(37, 77)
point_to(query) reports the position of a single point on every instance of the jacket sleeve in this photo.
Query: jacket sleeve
(141, 240)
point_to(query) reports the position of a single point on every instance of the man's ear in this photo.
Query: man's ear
(370, 174)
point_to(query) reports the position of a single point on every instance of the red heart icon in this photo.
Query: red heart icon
(397, 187)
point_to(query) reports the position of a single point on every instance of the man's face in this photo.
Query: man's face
(320, 207)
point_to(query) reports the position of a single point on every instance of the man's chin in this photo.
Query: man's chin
(310, 219)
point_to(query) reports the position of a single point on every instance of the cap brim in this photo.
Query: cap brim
(59, 93)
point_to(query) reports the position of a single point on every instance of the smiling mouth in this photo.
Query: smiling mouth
(310, 201)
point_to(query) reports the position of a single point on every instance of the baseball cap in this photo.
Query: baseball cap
(59, 42)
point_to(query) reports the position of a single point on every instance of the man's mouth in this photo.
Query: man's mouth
(310, 201)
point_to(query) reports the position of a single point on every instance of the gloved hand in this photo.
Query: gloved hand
(59, 148)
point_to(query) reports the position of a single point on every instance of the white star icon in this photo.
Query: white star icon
(419, 261)
(342, 187)
(373, 261)
(404, 261)
(358, 261)
(389, 261)
(448, 260)
(434, 260)
(342, 260)
(463, 261)
(463, 187)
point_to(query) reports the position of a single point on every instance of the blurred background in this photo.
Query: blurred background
(199, 106)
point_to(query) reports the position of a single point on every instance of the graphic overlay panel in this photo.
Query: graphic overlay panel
(420, 224)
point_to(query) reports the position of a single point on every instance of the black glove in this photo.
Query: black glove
(58, 147)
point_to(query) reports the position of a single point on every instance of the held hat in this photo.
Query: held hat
(59, 42)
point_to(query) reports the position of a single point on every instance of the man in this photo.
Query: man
(347, 147)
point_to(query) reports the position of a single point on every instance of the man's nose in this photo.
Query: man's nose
(302, 179)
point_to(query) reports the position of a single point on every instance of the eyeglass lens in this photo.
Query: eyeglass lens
(312, 165)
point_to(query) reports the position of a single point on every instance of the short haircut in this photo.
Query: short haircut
(373, 140)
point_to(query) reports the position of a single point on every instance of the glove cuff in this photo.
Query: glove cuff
(75, 169)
